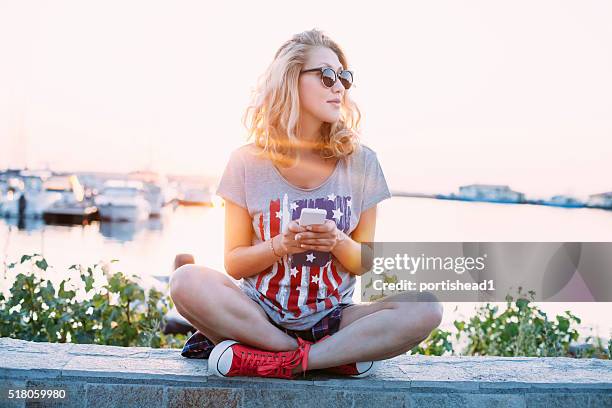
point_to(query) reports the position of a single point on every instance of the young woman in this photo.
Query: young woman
(292, 309)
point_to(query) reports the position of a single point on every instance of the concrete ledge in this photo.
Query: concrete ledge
(106, 376)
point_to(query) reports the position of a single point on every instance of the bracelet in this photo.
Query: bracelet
(273, 251)
(340, 238)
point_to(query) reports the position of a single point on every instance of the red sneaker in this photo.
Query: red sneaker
(359, 369)
(230, 359)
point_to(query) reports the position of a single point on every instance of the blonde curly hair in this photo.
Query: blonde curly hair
(272, 118)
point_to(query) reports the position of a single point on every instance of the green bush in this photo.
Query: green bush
(114, 309)
(113, 312)
(521, 329)
(438, 343)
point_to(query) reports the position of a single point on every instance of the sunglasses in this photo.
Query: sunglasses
(329, 76)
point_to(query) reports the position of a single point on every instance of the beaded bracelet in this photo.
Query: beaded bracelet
(273, 251)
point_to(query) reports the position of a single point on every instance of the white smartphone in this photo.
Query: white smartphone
(311, 216)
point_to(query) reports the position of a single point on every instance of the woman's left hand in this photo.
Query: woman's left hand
(320, 237)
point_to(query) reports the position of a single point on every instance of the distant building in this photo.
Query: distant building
(563, 201)
(601, 200)
(490, 192)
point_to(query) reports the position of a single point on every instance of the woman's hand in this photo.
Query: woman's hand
(286, 243)
(320, 237)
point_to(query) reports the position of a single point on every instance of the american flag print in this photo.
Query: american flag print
(301, 284)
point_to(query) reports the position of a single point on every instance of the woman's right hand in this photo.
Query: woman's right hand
(286, 240)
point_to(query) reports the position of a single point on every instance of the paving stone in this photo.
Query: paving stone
(256, 382)
(441, 400)
(184, 397)
(428, 375)
(5, 386)
(124, 396)
(171, 354)
(144, 368)
(572, 399)
(600, 400)
(75, 394)
(296, 398)
(109, 351)
(9, 344)
(379, 399)
(354, 383)
(19, 361)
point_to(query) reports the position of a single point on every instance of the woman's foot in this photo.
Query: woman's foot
(230, 359)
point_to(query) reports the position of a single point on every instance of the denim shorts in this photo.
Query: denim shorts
(199, 346)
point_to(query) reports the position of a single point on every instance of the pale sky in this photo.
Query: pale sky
(452, 93)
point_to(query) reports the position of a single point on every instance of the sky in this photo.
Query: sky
(452, 93)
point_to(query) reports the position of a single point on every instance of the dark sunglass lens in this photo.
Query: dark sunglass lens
(328, 77)
(346, 78)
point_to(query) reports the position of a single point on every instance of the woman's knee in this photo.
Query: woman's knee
(186, 282)
(416, 320)
(433, 310)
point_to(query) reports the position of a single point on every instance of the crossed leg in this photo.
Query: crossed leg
(379, 330)
(213, 304)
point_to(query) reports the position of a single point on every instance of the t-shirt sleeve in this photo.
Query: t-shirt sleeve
(232, 184)
(375, 187)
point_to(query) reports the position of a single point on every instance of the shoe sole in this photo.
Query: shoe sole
(217, 354)
(368, 367)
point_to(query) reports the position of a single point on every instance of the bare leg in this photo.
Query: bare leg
(378, 330)
(372, 331)
(213, 304)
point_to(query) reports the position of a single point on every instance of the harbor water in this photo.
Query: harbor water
(147, 248)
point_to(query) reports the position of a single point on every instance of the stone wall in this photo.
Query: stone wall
(106, 376)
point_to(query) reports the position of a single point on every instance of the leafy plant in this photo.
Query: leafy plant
(112, 310)
(521, 329)
(99, 307)
(438, 343)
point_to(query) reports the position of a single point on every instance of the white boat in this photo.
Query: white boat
(11, 191)
(72, 206)
(3, 191)
(123, 200)
(69, 186)
(155, 196)
(30, 186)
(154, 189)
(195, 195)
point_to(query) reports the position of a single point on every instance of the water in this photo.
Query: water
(148, 248)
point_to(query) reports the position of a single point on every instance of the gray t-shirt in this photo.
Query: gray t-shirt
(300, 289)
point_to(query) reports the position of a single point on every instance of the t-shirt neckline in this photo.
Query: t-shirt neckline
(284, 180)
